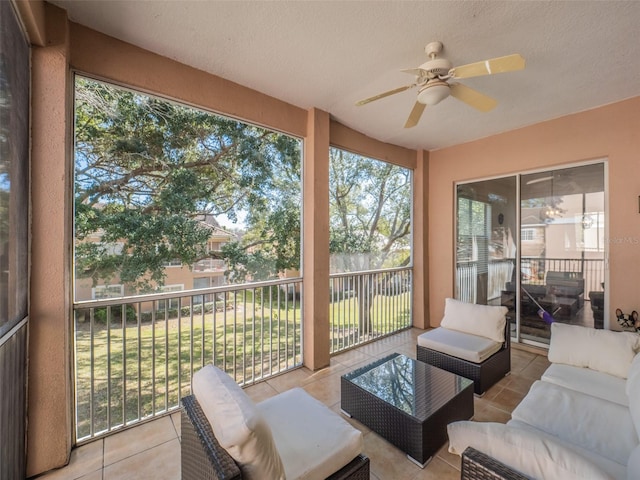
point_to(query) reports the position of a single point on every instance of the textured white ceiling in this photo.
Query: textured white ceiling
(329, 54)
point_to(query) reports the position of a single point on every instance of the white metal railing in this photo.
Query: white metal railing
(210, 265)
(368, 305)
(134, 358)
(534, 271)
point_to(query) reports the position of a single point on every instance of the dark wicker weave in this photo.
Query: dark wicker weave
(478, 466)
(484, 375)
(420, 438)
(203, 458)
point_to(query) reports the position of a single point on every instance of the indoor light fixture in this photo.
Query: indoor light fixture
(433, 93)
(587, 222)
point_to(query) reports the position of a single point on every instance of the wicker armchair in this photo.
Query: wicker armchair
(203, 458)
(484, 375)
(478, 466)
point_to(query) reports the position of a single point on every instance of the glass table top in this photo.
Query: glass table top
(411, 386)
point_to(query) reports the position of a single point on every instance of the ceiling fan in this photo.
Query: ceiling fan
(432, 78)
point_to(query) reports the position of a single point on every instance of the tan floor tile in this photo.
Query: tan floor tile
(519, 383)
(352, 357)
(507, 399)
(484, 411)
(158, 463)
(438, 470)
(408, 350)
(387, 462)
(444, 455)
(133, 441)
(97, 475)
(260, 391)
(536, 368)
(336, 368)
(85, 460)
(327, 390)
(176, 418)
(287, 381)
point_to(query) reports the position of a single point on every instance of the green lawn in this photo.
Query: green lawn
(153, 361)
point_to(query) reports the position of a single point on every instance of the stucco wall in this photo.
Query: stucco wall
(612, 132)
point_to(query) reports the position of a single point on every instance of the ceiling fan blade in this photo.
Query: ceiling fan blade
(509, 63)
(472, 97)
(414, 116)
(384, 94)
(414, 71)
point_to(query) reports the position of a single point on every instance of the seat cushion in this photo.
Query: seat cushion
(633, 391)
(534, 456)
(588, 422)
(602, 350)
(313, 440)
(238, 425)
(483, 320)
(591, 382)
(613, 469)
(469, 347)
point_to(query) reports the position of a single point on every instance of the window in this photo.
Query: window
(369, 213)
(527, 234)
(158, 184)
(108, 291)
(14, 171)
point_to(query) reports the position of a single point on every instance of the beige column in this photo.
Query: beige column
(316, 240)
(50, 404)
(421, 241)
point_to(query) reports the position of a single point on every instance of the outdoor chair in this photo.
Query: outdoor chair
(473, 341)
(291, 435)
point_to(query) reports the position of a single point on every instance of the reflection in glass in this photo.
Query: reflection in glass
(562, 244)
(486, 242)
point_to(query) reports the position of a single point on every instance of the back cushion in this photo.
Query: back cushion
(237, 424)
(633, 392)
(483, 320)
(602, 350)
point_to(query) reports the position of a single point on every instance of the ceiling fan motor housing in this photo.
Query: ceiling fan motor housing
(436, 67)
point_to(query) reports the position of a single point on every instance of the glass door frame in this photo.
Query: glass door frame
(518, 259)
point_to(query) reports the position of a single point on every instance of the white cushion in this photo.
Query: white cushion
(313, 441)
(602, 350)
(633, 392)
(589, 422)
(484, 320)
(469, 347)
(633, 466)
(591, 382)
(522, 450)
(613, 469)
(237, 424)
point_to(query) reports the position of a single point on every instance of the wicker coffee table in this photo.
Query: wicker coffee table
(407, 402)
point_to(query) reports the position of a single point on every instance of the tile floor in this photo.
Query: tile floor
(152, 450)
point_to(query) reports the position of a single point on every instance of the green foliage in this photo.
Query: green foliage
(370, 210)
(100, 315)
(148, 172)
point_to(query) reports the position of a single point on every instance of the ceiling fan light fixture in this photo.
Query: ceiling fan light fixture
(433, 93)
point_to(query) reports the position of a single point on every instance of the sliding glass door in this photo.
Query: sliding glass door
(562, 249)
(486, 250)
(550, 227)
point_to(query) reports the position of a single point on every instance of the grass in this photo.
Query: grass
(152, 362)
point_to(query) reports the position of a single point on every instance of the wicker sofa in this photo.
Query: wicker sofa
(473, 341)
(291, 435)
(580, 420)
